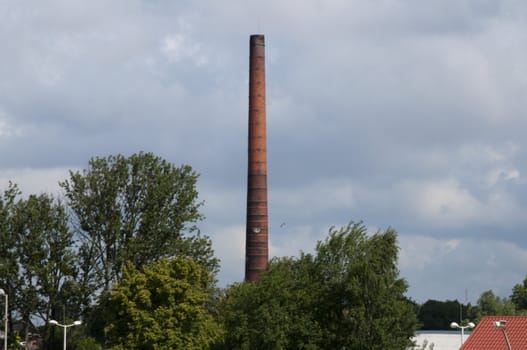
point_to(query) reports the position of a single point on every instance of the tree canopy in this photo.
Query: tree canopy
(491, 304)
(57, 257)
(519, 296)
(162, 306)
(348, 295)
(274, 313)
(438, 315)
(134, 209)
(37, 258)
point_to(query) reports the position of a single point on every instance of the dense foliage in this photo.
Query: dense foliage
(162, 306)
(519, 296)
(57, 257)
(136, 210)
(348, 295)
(37, 258)
(276, 312)
(438, 315)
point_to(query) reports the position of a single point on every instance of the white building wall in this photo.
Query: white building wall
(438, 340)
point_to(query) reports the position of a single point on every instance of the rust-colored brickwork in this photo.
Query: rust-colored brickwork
(256, 244)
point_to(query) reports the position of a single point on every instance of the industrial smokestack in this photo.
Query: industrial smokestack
(256, 235)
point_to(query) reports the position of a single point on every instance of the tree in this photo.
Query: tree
(519, 295)
(348, 295)
(36, 260)
(162, 306)
(364, 306)
(123, 210)
(9, 268)
(134, 209)
(275, 313)
(44, 248)
(490, 304)
(437, 315)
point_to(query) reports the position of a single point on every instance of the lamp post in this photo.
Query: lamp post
(503, 326)
(65, 326)
(456, 325)
(3, 293)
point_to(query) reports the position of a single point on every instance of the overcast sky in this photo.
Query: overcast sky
(401, 113)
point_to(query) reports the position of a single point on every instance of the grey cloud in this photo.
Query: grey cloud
(375, 108)
(451, 267)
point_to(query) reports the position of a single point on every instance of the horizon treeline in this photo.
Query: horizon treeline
(437, 315)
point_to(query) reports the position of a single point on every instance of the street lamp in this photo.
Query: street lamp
(3, 293)
(456, 325)
(503, 326)
(65, 326)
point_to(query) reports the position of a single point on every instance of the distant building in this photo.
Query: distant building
(491, 333)
(438, 340)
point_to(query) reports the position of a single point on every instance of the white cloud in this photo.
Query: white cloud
(6, 129)
(321, 196)
(452, 244)
(178, 47)
(440, 204)
(444, 201)
(497, 175)
(418, 252)
(223, 202)
(35, 181)
(229, 247)
(288, 240)
(449, 267)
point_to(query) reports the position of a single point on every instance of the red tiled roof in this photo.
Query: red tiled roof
(486, 336)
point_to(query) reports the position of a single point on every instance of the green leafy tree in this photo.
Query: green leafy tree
(45, 258)
(162, 306)
(438, 315)
(519, 296)
(490, 304)
(87, 343)
(364, 306)
(9, 268)
(348, 295)
(275, 313)
(133, 209)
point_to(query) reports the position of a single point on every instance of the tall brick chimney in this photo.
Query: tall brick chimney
(256, 234)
